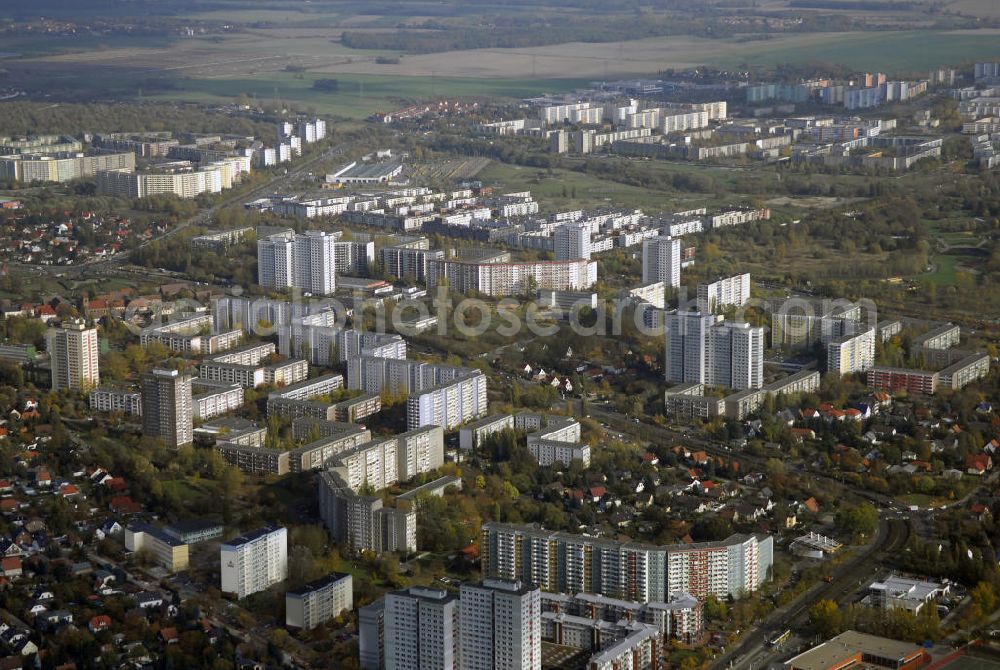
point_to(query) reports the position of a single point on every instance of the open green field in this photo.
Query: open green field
(283, 62)
(905, 51)
(944, 271)
(359, 95)
(566, 189)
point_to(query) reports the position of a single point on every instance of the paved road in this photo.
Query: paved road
(752, 649)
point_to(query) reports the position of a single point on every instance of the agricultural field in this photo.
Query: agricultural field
(281, 62)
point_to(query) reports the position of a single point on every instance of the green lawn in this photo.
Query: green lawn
(944, 272)
(562, 189)
(920, 499)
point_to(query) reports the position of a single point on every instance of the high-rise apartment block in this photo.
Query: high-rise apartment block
(421, 630)
(572, 241)
(735, 356)
(73, 352)
(439, 395)
(661, 261)
(408, 261)
(371, 635)
(305, 261)
(500, 626)
(851, 353)
(324, 341)
(167, 411)
(363, 522)
(725, 292)
(255, 561)
(701, 349)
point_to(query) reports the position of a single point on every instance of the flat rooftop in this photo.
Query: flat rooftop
(251, 536)
(835, 653)
(368, 171)
(318, 584)
(906, 588)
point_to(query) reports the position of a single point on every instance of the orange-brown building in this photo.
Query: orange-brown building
(851, 649)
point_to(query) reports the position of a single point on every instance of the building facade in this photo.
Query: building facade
(319, 601)
(255, 561)
(661, 261)
(167, 411)
(73, 354)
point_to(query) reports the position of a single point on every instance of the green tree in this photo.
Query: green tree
(826, 618)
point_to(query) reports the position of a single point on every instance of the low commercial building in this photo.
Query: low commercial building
(905, 593)
(193, 531)
(854, 649)
(319, 601)
(168, 551)
(362, 173)
(568, 301)
(814, 545)
(432, 488)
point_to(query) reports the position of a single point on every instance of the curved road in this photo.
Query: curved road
(890, 537)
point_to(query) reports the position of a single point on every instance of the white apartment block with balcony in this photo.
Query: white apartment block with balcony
(116, 400)
(216, 399)
(702, 350)
(449, 404)
(306, 261)
(511, 278)
(319, 601)
(73, 354)
(725, 292)
(254, 562)
(851, 353)
(324, 341)
(558, 442)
